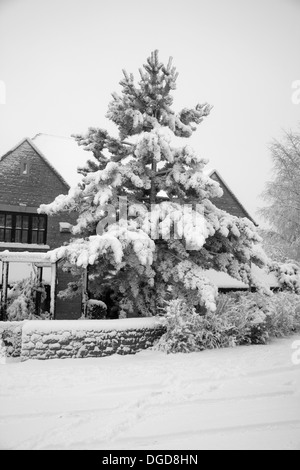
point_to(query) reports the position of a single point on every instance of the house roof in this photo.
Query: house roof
(223, 281)
(212, 171)
(38, 151)
(61, 154)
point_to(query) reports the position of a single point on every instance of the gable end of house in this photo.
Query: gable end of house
(40, 154)
(228, 201)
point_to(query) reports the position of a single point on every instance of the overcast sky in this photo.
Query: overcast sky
(60, 61)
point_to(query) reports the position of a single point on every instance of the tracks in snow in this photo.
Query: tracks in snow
(111, 425)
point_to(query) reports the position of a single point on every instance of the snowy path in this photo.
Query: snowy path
(248, 397)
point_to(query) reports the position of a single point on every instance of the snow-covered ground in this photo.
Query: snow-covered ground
(243, 398)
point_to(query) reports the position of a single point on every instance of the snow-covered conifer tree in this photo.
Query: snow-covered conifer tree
(173, 231)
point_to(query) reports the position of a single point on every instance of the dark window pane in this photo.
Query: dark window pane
(34, 237)
(8, 222)
(15, 227)
(35, 223)
(25, 236)
(42, 224)
(25, 168)
(18, 236)
(18, 221)
(41, 238)
(25, 221)
(8, 235)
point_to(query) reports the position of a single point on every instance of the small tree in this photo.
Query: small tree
(282, 195)
(276, 247)
(148, 197)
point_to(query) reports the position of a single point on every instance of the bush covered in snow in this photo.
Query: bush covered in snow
(240, 319)
(284, 314)
(288, 275)
(10, 339)
(96, 309)
(23, 296)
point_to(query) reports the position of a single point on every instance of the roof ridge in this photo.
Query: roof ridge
(42, 155)
(52, 135)
(234, 196)
(14, 148)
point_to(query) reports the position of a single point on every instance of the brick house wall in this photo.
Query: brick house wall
(24, 193)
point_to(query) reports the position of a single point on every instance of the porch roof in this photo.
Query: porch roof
(43, 259)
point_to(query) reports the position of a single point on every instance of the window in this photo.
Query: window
(23, 228)
(24, 167)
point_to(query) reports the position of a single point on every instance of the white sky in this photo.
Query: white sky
(61, 59)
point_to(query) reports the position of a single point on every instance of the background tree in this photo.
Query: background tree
(276, 247)
(282, 195)
(174, 232)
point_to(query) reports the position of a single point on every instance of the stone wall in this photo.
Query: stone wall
(88, 338)
(11, 338)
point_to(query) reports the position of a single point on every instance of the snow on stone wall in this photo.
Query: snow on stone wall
(88, 338)
(11, 338)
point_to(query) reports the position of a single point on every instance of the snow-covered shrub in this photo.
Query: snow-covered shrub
(3, 353)
(230, 325)
(22, 301)
(96, 309)
(283, 318)
(288, 275)
(245, 314)
(10, 341)
(10, 338)
(183, 325)
(240, 319)
(280, 312)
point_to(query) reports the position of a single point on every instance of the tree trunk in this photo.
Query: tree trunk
(153, 201)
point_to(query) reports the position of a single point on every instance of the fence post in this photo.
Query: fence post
(85, 295)
(53, 291)
(3, 306)
(38, 298)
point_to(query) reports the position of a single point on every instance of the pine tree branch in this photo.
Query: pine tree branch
(153, 186)
(163, 172)
(127, 143)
